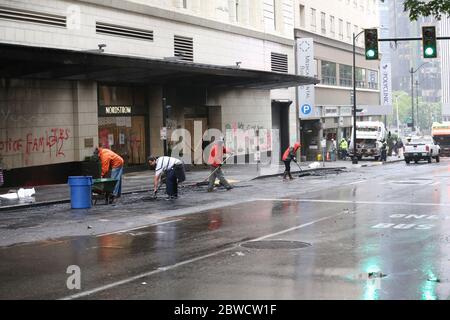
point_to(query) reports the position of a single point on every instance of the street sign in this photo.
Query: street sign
(306, 109)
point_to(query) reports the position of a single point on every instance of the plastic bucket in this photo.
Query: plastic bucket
(80, 192)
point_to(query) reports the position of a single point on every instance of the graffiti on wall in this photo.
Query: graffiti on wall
(51, 142)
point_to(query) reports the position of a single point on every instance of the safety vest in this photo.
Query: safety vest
(343, 145)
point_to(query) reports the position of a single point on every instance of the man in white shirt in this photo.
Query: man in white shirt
(173, 169)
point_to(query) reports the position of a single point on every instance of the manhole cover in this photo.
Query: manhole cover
(276, 244)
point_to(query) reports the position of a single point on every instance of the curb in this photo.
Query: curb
(61, 201)
(306, 170)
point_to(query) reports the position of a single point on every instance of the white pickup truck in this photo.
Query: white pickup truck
(421, 148)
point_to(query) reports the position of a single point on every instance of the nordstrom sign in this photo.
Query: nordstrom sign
(118, 110)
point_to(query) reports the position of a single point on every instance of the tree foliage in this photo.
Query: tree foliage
(435, 8)
(428, 112)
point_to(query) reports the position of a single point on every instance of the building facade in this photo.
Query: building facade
(126, 74)
(444, 25)
(408, 54)
(331, 26)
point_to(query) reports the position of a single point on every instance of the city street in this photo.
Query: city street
(377, 232)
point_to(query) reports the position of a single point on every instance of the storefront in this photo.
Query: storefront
(123, 122)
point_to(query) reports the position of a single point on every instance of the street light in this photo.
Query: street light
(412, 71)
(417, 104)
(355, 157)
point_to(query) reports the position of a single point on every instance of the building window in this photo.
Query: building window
(355, 3)
(313, 19)
(122, 118)
(185, 4)
(349, 31)
(360, 77)
(345, 75)
(269, 14)
(322, 23)
(341, 29)
(328, 73)
(302, 16)
(332, 27)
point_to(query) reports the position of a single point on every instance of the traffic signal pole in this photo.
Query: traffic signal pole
(355, 157)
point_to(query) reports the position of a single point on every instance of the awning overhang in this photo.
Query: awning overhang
(18, 61)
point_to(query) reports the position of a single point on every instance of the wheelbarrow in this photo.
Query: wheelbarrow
(103, 189)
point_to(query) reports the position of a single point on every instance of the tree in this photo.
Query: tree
(435, 8)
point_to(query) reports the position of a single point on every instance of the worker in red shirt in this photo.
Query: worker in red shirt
(288, 156)
(215, 161)
(111, 160)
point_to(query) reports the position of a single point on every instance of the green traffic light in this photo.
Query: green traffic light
(370, 53)
(429, 42)
(429, 52)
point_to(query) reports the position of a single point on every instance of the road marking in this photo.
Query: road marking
(185, 262)
(357, 182)
(362, 202)
(297, 227)
(137, 228)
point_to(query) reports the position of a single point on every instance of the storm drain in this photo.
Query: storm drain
(276, 244)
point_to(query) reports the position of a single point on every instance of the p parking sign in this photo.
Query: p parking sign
(306, 109)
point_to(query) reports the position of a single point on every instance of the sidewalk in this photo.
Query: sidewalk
(143, 181)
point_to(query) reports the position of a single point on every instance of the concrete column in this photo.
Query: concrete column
(85, 119)
(156, 119)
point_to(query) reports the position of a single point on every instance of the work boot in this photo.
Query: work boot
(290, 176)
(285, 175)
(210, 189)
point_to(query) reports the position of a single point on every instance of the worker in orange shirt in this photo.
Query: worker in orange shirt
(216, 161)
(110, 159)
(288, 156)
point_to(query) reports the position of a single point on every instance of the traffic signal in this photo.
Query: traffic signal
(371, 44)
(429, 42)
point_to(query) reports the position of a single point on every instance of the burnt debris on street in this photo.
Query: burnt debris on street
(220, 150)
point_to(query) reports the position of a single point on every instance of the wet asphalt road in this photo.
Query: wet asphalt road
(393, 219)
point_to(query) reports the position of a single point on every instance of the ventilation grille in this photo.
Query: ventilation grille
(113, 30)
(184, 48)
(33, 17)
(279, 62)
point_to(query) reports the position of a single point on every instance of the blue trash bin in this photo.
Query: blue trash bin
(80, 192)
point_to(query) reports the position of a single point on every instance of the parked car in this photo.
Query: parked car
(421, 148)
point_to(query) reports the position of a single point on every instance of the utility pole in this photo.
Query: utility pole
(355, 157)
(412, 71)
(417, 103)
(413, 128)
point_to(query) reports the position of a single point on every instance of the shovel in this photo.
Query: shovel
(205, 181)
(154, 198)
(302, 173)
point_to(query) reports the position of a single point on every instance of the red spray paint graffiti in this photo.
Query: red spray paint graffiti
(52, 142)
